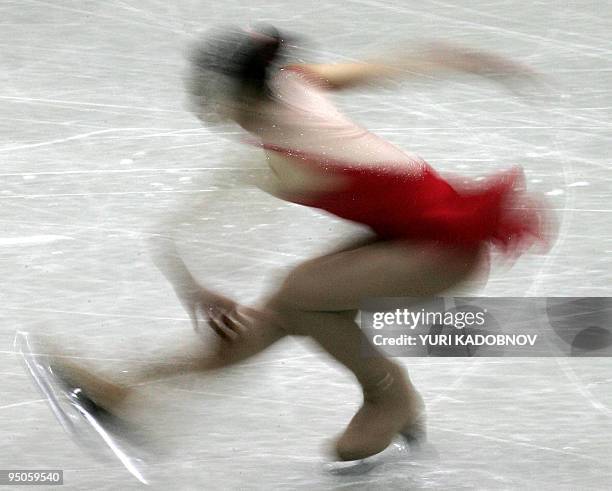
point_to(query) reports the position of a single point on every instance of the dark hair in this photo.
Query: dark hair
(245, 56)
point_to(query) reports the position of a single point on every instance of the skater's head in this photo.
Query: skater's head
(230, 69)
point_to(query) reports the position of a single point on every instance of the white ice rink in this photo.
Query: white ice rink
(97, 151)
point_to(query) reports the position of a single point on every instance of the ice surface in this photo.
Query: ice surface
(97, 151)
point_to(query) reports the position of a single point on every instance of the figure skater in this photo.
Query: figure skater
(429, 234)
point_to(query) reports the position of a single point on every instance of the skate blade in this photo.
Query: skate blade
(71, 413)
(352, 467)
(399, 451)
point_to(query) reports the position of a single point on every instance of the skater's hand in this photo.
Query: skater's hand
(208, 309)
(228, 323)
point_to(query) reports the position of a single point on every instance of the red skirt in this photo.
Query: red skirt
(421, 205)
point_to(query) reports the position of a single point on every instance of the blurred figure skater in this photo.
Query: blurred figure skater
(430, 235)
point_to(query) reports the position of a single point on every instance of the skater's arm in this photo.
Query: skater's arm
(338, 76)
(429, 60)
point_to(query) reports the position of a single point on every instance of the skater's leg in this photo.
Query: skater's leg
(252, 332)
(391, 403)
(242, 333)
(317, 300)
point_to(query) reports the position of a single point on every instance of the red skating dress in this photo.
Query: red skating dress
(397, 195)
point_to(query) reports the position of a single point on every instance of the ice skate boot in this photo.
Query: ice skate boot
(391, 407)
(84, 405)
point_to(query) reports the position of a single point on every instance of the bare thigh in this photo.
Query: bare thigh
(339, 281)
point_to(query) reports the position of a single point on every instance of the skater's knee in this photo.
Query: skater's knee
(285, 311)
(295, 293)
